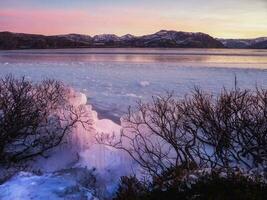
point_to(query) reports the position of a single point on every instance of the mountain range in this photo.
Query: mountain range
(257, 43)
(161, 39)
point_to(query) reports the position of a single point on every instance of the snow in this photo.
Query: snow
(106, 38)
(54, 186)
(144, 83)
(243, 42)
(127, 37)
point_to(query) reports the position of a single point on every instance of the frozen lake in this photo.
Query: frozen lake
(113, 79)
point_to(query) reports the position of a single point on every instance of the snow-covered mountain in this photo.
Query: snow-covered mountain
(260, 43)
(180, 39)
(161, 39)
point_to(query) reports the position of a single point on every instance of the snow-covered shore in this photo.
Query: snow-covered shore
(112, 83)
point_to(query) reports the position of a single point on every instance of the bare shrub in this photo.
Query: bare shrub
(211, 186)
(131, 188)
(201, 130)
(34, 118)
(231, 128)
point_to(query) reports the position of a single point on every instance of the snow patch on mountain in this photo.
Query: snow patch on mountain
(242, 43)
(106, 38)
(127, 37)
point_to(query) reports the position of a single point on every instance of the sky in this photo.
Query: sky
(219, 18)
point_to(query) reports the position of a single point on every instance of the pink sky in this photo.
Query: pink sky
(51, 22)
(136, 20)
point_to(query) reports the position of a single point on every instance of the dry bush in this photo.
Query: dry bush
(211, 186)
(34, 118)
(231, 128)
(201, 130)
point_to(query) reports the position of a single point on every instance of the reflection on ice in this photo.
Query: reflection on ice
(113, 79)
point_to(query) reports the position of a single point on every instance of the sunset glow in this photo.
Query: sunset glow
(228, 18)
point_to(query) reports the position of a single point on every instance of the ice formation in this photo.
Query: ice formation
(81, 150)
(82, 146)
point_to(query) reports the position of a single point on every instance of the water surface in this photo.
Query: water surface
(113, 79)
